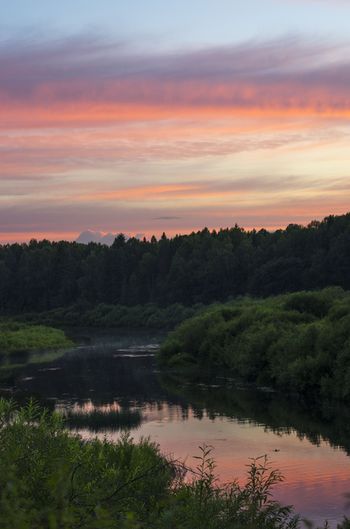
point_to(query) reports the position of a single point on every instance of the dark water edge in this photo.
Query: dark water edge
(111, 383)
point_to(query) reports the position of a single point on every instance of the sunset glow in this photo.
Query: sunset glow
(116, 133)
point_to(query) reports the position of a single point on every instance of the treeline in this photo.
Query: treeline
(149, 316)
(198, 268)
(297, 342)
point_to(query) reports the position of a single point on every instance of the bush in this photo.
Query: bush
(51, 479)
(297, 342)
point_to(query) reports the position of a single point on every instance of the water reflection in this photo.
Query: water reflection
(111, 383)
(113, 417)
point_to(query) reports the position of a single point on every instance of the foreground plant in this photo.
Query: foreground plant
(50, 479)
(202, 503)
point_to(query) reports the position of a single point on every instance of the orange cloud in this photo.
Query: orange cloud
(46, 86)
(95, 136)
(313, 105)
(23, 237)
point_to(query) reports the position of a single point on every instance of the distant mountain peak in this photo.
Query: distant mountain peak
(101, 237)
(87, 236)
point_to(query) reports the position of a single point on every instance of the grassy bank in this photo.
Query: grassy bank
(50, 478)
(18, 337)
(297, 342)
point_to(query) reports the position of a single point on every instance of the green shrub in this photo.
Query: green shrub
(51, 479)
(298, 342)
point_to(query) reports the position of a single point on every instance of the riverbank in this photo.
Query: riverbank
(16, 337)
(297, 342)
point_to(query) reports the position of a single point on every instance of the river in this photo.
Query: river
(111, 383)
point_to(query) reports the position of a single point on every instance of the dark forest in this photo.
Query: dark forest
(202, 267)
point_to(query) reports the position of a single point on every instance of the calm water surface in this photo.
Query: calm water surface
(112, 381)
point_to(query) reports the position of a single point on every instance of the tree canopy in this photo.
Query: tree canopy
(202, 267)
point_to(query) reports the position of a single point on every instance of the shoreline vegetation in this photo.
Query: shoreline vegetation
(103, 315)
(299, 343)
(52, 478)
(17, 337)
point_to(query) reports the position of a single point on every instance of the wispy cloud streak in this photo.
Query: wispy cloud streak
(96, 134)
(89, 80)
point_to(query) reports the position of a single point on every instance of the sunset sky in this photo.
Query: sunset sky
(148, 116)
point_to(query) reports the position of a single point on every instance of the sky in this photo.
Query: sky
(148, 116)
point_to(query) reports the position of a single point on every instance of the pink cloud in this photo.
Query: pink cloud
(95, 135)
(82, 82)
